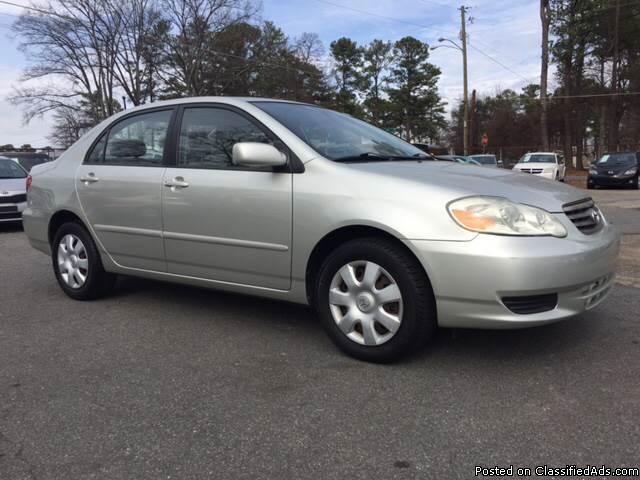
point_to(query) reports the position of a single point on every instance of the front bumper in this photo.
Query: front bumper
(611, 181)
(548, 175)
(12, 212)
(470, 279)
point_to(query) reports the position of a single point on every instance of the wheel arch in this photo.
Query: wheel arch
(58, 219)
(344, 234)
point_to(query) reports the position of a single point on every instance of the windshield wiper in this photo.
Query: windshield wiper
(369, 156)
(417, 156)
(363, 157)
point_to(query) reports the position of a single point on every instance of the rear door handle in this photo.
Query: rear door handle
(176, 183)
(89, 178)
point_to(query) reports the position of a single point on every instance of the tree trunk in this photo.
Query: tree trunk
(602, 127)
(545, 20)
(614, 113)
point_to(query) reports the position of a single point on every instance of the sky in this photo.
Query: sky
(508, 31)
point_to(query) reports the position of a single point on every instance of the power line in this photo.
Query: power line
(421, 26)
(26, 7)
(498, 62)
(595, 95)
(393, 19)
(441, 5)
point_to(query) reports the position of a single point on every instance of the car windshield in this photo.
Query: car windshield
(10, 169)
(485, 159)
(337, 136)
(538, 158)
(610, 159)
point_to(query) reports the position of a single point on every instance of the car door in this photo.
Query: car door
(119, 186)
(224, 222)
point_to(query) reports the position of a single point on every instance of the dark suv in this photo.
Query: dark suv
(615, 170)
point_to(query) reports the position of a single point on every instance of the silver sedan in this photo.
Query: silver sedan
(295, 202)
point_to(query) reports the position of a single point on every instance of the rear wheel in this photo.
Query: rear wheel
(77, 264)
(375, 300)
(636, 185)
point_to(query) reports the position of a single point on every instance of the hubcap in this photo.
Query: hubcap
(365, 302)
(73, 263)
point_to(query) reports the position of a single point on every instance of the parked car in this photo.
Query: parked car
(295, 202)
(13, 190)
(543, 164)
(28, 160)
(615, 170)
(485, 160)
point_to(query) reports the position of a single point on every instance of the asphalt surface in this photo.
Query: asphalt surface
(162, 381)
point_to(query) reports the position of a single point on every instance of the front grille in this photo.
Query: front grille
(10, 215)
(585, 215)
(529, 304)
(531, 170)
(19, 198)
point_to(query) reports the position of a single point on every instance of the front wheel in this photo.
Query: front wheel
(375, 300)
(77, 264)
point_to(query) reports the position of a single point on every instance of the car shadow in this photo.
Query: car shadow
(466, 346)
(10, 227)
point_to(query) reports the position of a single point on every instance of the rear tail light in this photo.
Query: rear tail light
(29, 180)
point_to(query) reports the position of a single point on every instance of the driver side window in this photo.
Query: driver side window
(207, 136)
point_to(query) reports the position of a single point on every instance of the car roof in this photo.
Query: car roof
(211, 99)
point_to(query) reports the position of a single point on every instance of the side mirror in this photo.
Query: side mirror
(253, 154)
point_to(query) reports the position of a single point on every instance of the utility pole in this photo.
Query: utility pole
(463, 39)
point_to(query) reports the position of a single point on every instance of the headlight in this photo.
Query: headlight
(631, 171)
(499, 216)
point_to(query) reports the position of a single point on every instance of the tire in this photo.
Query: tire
(557, 176)
(81, 257)
(590, 186)
(636, 185)
(415, 312)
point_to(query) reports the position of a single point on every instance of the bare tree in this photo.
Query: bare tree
(194, 24)
(308, 47)
(71, 46)
(139, 31)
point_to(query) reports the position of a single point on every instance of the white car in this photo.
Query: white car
(13, 190)
(543, 164)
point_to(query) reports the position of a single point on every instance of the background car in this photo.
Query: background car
(615, 170)
(27, 160)
(543, 164)
(486, 160)
(13, 190)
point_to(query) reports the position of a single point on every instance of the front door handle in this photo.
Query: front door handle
(176, 183)
(89, 178)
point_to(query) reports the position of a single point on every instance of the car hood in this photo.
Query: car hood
(534, 165)
(615, 168)
(13, 185)
(455, 180)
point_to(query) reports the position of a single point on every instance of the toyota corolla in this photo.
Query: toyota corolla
(295, 202)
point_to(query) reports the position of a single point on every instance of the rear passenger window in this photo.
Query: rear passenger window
(207, 136)
(135, 141)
